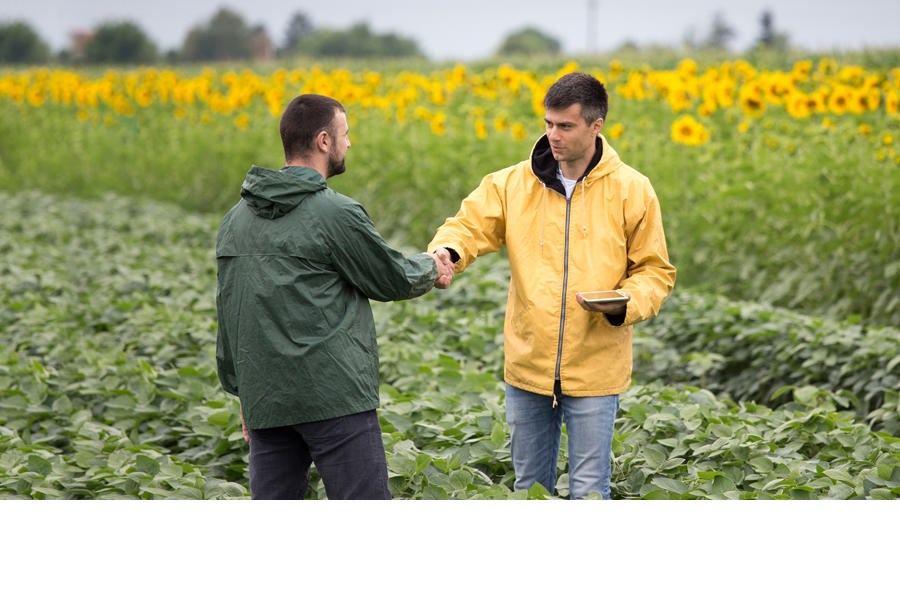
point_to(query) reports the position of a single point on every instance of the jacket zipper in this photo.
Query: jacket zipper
(562, 316)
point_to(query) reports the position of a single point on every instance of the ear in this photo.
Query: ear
(323, 140)
(598, 124)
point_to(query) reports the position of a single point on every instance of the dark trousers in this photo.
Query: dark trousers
(347, 451)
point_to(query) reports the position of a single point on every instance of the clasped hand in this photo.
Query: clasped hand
(445, 266)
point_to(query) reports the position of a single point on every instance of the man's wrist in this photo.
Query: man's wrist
(454, 256)
(616, 319)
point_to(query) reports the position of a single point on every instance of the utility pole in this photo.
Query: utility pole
(592, 26)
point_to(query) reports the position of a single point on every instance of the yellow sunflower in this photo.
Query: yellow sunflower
(839, 100)
(752, 100)
(615, 131)
(687, 130)
(892, 102)
(797, 105)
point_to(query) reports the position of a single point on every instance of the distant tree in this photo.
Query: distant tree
(628, 45)
(768, 37)
(298, 28)
(171, 56)
(225, 37)
(529, 41)
(120, 43)
(20, 44)
(720, 34)
(358, 42)
(391, 45)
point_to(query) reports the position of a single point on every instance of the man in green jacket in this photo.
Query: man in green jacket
(297, 265)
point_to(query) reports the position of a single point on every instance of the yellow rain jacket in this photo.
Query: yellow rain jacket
(609, 235)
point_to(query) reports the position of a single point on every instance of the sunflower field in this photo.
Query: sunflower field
(772, 371)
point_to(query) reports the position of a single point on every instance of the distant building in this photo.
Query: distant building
(262, 46)
(78, 44)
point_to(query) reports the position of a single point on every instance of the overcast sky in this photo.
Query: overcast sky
(471, 29)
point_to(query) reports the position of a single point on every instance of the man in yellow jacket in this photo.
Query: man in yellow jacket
(574, 218)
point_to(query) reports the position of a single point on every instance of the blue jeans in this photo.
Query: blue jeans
(535, 427)
(348, 453)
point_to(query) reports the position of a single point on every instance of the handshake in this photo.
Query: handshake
(445, 266)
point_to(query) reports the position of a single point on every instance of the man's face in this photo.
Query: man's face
(338, 149)
(571, 139)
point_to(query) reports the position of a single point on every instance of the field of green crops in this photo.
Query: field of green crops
(772, 372)
(109, 388)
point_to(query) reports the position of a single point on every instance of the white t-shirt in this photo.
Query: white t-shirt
(569, 184)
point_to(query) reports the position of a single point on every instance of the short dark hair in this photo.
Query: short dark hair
(303, 119)
(579, 88)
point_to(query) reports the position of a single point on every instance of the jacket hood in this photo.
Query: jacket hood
(272, 194)
(544, 166)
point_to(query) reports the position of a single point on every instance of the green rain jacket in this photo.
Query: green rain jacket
(297, 264)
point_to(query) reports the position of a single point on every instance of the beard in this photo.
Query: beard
(336, 165)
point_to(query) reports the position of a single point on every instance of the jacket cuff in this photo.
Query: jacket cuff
(616, 320)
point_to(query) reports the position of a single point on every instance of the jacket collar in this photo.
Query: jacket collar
(545, 166)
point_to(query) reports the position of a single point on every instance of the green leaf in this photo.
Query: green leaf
(840, 491)
(538, 492)
(221, 418)
(46, 492)
(186, 493)
(39, 465)
(772, 484)
(118, 459)
(671, 464)
(882, 494)
(402, 465)
(145, 464)
(62, 405)
(722, 484)
(889, 473)
(498, 434)
(807, 395)
(671, 485)
(39, 371)
(216, 488)
(781, 391)
(434, 492)
(762, 464)
(171, 470)
(460, 479)
(801, 493)
(655, 494)
(688, 411)
(422, 461)
(653, 457)
(721, 431)
(840, 474)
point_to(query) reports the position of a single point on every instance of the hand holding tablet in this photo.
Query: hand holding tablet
(606, 301)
